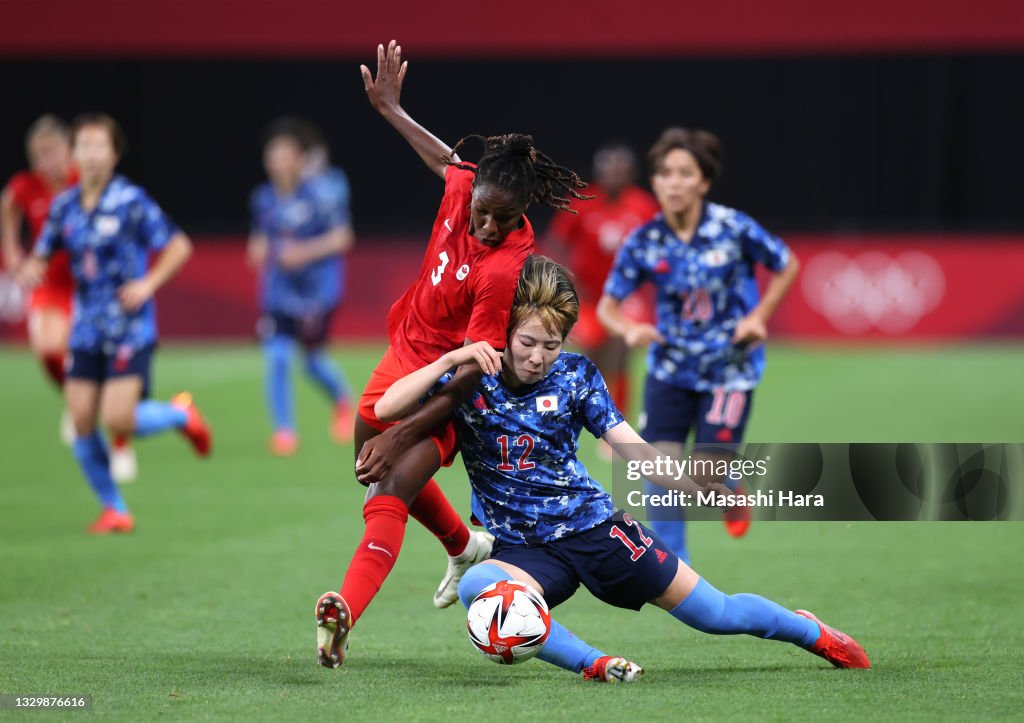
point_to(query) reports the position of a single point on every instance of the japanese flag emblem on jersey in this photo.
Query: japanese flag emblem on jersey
(547, 403)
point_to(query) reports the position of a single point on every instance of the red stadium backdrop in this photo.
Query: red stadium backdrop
(874, 288)
(467, 28)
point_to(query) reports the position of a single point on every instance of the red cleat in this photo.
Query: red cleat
(110, 520)
(344, 422)
(284, 443)
(196, 429)
(609, 669)
(333, 623)
(837, 648)
(737, 518)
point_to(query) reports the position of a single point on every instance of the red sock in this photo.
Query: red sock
(53, 363)
(377, 553)
(433, 510)
(120, 442)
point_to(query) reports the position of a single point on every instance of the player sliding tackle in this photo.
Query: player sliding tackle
(556, 527)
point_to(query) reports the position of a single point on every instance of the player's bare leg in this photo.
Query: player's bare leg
(48, 332)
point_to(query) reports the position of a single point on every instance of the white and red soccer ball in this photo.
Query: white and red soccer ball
(508, 622)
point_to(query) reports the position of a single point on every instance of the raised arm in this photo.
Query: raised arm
(385, 92)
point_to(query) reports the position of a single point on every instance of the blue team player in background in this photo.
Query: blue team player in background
(301, 229)
(706, 353)
(554, 526)
(109, 227)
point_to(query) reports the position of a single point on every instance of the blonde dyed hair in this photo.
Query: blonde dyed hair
(545, 288)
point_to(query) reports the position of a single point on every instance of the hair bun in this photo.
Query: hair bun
(517, 144)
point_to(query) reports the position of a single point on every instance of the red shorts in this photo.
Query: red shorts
(389, 370)
(57, 287)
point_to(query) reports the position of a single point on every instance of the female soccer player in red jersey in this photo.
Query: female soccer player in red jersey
(464, 291)
(591, 239)
(26, 199)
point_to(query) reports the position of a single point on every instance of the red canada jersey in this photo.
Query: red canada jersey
(464, 289)
(594, 236)
(33, 195)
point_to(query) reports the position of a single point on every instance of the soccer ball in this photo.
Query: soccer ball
(508, 622)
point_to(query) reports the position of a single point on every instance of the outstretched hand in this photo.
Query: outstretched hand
(385, 90)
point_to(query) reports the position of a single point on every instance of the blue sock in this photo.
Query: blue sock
(712, 611)
(324, 372)
(91, 453)
(562, 648)
(152, 417)
(671, 532)
(277, 350)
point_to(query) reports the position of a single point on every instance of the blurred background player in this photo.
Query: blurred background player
(301, 229)
(557, 528)
(26, 199)
(464, 291)
(590, 241)
(706, 353)
(108, 226)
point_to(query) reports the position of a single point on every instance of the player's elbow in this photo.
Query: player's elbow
(183, 246)
(385, 411)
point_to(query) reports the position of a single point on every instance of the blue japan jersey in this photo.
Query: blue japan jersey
(703, 289)
(108, 246)
(519, 449)
(318, 204)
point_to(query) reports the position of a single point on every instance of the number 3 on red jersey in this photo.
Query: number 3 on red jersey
(435, 276)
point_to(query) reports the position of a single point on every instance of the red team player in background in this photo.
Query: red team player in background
(27, 198)
(590, 239)
(464, 292)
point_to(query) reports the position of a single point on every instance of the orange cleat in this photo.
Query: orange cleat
(196, 429)
(344, 422)
(837, 648)
(737, 518)
(284, 443)
(608, 669)
(110, 520)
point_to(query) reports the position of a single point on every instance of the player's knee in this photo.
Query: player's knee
(120, 422)
(314, 359)
(277, 351)
(477, 578)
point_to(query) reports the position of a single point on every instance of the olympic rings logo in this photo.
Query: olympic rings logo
(873, 290)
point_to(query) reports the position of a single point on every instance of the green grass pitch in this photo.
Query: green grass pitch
(205, 613)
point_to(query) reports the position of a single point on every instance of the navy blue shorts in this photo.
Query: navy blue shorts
(310, 330)
(620, 562)
(125, 362)
(670, 412)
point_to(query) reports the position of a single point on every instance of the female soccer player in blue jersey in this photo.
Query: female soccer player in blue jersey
(301, 227)
(109, 227)
(706, 354)
(556, 527)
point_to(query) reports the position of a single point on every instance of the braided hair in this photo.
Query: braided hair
(512, 163)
